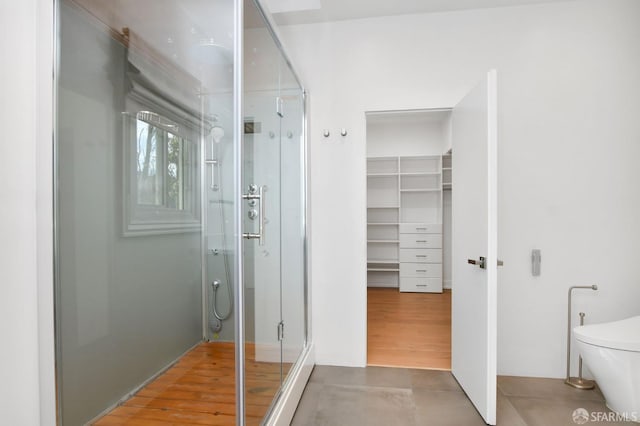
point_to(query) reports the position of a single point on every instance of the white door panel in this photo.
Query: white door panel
(474, 234)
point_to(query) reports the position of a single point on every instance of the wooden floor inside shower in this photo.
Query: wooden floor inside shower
(200, 390)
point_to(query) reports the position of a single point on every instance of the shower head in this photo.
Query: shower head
(218, 133)
(207, 51)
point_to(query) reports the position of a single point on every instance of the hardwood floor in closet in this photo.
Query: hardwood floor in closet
(408, 329)
(200, 390)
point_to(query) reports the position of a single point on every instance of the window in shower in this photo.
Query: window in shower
(162, 182)
(164, 168)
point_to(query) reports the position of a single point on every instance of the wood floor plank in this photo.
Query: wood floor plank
(120, 421)
(408, 329)
(217, 408)
(168, 416)
(199, 389)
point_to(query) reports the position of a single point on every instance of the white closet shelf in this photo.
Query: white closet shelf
(420, 173)
(407, 197)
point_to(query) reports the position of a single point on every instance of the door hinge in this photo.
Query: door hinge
(279, 106)
(280, 331)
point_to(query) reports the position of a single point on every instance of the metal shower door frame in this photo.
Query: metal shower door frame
(238, 186)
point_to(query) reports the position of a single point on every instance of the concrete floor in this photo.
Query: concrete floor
(383, 396)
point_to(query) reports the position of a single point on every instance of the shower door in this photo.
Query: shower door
(273, 213)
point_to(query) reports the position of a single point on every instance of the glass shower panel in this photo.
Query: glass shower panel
(261, 176)
(292, 207)
(144, 96)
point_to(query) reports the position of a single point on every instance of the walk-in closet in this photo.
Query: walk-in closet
(409, 165)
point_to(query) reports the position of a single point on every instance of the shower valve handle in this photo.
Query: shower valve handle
(251, 196)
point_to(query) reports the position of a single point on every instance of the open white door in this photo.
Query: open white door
(474, 246)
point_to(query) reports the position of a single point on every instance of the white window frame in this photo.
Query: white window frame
(144, 219)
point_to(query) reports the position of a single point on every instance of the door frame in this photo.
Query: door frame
(447, 149)
(493, 307)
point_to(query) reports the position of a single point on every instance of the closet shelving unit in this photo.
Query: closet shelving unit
(383, 219)
(446, 171)
(404, 223)
(447, 168)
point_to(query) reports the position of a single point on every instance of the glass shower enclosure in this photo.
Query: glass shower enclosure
(180, 213)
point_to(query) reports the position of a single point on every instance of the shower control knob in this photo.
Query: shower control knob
(253, 188)
(252, 203)
(253, 214)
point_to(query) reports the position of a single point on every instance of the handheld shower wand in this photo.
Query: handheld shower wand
(576, 382)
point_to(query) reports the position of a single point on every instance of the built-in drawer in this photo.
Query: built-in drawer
(421, 255)
(420, 228)
(420, 240)
(421, 270)
(421, 285)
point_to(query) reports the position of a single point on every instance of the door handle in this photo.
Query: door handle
(482, 263)
(256, 193)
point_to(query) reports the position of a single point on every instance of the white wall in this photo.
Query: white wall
(404, 138)
(25, 216)
(569, 146)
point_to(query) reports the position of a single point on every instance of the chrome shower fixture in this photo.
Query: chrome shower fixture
(217, 133)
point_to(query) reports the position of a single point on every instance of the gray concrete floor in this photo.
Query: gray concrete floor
(373, 396)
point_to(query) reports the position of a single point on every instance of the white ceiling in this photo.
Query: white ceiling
(288, 12)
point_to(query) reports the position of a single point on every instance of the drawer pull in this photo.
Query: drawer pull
(421, 255)
(421, 229)
(421, 285)
(421, 241)
(421, 270)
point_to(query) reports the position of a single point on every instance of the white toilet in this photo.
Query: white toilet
(612, 353)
